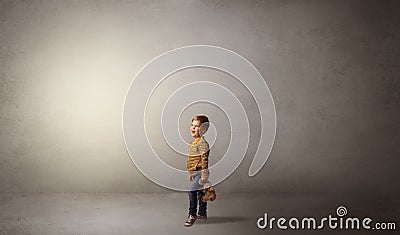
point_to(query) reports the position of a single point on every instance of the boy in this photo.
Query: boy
(197, 166)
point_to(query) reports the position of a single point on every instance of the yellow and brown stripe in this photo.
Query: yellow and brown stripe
(198, 157)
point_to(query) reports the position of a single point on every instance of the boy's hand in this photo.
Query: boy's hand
(189, 178)
(203, 180)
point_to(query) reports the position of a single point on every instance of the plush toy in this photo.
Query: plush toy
(209, 191)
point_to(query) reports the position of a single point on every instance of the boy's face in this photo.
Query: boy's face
(195, 129)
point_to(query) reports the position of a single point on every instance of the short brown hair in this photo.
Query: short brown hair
(200, 118)
(204, 123)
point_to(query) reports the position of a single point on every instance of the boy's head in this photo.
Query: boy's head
(199, 126)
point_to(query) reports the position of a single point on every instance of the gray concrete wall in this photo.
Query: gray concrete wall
(332, 68)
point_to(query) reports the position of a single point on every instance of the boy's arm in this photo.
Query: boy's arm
(204, 150)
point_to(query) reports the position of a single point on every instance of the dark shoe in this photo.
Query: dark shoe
(202, 217)
(190, 220)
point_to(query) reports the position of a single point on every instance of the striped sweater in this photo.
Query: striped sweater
(198, 157)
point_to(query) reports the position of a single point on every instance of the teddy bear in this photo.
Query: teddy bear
(209, 191)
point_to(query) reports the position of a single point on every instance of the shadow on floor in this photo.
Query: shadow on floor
(221, 220)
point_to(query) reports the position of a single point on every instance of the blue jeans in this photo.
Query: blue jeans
(195, 196)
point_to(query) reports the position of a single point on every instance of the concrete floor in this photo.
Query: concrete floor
(165, 213)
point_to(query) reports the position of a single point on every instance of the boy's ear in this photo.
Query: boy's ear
(204, 127)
